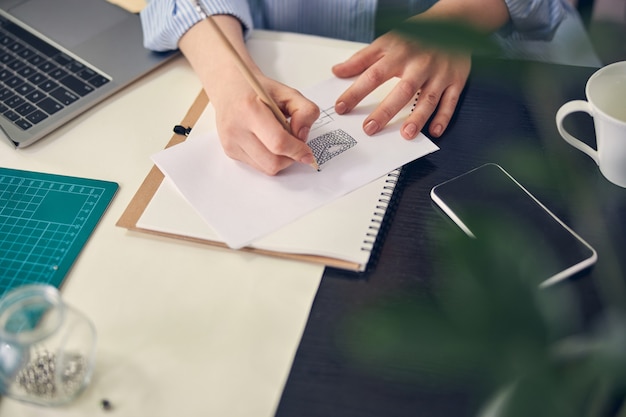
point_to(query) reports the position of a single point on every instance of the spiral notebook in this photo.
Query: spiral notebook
(341, 234)
(346, 231)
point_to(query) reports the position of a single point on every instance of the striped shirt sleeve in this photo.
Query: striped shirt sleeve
(165, 21)
(534, 19)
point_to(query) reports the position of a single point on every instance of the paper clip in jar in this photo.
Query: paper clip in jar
(47, 348)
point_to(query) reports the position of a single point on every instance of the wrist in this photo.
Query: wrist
(483, 15)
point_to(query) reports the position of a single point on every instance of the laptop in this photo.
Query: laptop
(60, 57)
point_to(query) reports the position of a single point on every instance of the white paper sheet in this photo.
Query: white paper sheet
(342, 229)
(242, 205)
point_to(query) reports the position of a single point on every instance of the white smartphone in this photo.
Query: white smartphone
(488, 198)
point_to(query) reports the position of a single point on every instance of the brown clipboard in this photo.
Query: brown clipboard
(151, 183)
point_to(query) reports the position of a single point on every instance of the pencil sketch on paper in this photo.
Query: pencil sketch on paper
(326, 116)
(330, 144)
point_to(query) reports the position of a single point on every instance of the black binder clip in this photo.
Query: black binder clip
(182, 130)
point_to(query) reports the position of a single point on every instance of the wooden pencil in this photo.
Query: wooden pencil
(248, 75)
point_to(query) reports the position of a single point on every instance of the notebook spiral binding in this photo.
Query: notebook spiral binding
(378, 216)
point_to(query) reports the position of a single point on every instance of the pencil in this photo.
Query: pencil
(248, 75)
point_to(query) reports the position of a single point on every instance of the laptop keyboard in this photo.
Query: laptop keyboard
(37, 79)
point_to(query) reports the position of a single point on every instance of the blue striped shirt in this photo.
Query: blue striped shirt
(165, 21)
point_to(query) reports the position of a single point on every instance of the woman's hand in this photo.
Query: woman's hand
(438, 76)
(247, 128)
(249, 131)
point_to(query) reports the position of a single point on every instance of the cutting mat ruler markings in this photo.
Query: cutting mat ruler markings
(45, 220)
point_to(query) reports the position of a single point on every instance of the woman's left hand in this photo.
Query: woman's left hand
(439, 77)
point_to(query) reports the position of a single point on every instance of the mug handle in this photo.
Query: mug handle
(572, 107)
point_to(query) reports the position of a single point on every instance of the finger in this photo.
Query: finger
(357, 63)
(245, 147)
(278, 143)
(251, 151)
(303, 114)
(367, 82)
(396, 100)
(446, 109)
(291, 147)
(259, 157)
(424, 108)
(266, 146)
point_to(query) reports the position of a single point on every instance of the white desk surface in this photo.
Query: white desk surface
(183, 329)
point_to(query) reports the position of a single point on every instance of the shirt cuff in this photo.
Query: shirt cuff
(533, 19)
(164, 22)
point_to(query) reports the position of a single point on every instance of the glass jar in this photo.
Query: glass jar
(47, 348)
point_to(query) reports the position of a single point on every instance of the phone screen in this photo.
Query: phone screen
(487, 203)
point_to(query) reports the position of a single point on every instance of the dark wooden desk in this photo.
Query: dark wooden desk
(506, 116)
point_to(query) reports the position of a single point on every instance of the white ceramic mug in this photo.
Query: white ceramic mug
(606, 104)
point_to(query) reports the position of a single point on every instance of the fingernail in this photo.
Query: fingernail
(437, 130)
(371, 127)
(410, 130)
(307, 159)
(303, 134)
(341, 107)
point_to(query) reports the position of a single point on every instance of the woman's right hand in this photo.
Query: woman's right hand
(248, 130)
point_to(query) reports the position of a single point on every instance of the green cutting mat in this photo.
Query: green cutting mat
(45, 220)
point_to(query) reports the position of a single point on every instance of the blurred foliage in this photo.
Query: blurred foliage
(485, 319)
(609, 40)
(450, 35)
(485, 322)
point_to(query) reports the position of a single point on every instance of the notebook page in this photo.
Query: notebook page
(243, 205)
(338, 230)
